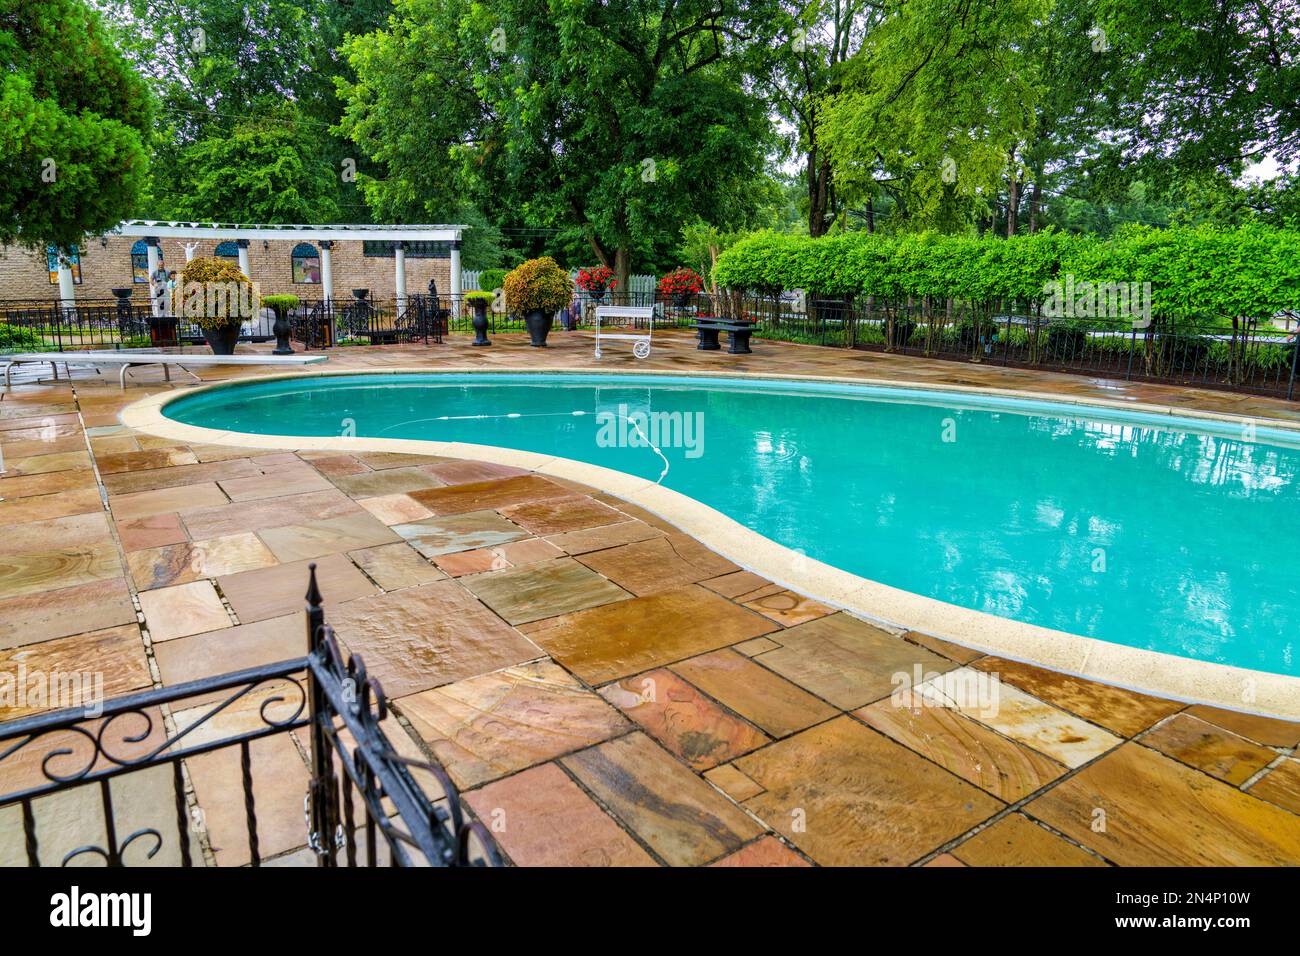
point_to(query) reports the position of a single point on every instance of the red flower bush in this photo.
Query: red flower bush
(681, 281)
(596, 279)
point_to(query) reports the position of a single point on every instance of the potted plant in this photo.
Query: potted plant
(479, 302)
(680, 284)
(596, 281)
(537, 289)
(281, 305)
(218, 298)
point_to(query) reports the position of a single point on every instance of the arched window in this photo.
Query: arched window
(306, 264)
(227, 250)
(140, 261)
(74, 263)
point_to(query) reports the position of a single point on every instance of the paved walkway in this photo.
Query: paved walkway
(604, 689)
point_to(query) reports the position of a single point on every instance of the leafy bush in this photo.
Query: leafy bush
(1202, 273)
(14, 337)
(282, 303)
(215, 312)
(489, 280)
(538, 284)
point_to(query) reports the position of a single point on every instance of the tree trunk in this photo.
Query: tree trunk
(1035, 198)
(871, 216)
(818, 177)
(1013, 195)
(623, 269)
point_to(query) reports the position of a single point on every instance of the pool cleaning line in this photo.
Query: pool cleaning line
(1148, 671)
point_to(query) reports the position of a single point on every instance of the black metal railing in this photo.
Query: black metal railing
(363, 802)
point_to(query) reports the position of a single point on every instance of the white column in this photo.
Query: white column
(455, 274)
(326, 271)
(243, 258)
(67, 287)
(154, 263)
(399, 266)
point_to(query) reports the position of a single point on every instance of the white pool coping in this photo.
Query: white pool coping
(1166, 675)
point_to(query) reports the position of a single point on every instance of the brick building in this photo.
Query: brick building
(305, 260)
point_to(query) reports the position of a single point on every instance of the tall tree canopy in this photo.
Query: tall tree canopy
(72, 119)
(612, 123)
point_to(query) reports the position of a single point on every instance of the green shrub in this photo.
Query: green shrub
(476, 295)
(16, 338)
(201, 273)
(489, 280)
(281, 303)
(538, 284)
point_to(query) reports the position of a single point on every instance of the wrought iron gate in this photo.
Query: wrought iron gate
(363, 805)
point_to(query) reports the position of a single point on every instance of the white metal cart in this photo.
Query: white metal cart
(629, 314)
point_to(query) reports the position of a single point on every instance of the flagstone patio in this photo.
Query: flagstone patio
(604, 689)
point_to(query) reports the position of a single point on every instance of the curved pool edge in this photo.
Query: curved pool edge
(1167, 675)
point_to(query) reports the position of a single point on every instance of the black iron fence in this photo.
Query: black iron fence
(1246, 356)
(362, 806)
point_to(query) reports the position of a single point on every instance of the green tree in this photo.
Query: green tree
(935, 106)
(613, 123)
(260, 172)
(72, 119)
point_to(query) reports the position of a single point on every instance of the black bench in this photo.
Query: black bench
(738, 332)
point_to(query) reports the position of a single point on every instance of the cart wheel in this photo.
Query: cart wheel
(641, 350)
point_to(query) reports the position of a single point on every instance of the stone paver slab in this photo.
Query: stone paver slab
(461, 532)
(154, 531)
(192, 561)
(1012, 712)
(182, 610)
(42, 507)
(427, 636)
(45, 615)
(545, 819)
(394, 566)
(847, 661)
(271, 592)
(1121, 711)
(847, 796)
(559, 515)
(271, 513)
(488, 726)
(232, 648)
(682, 719)
(628, 637)
(1281, 786)
(298, 542)
(607, 536)
(110, 662)
(773, 703)
(1268, 731)
(543, 590)
(684, 820)
(1008, 770)
(393, 481)
(485, 495)
(767, 851)
(1216, 751)
(1158, 812)
(1015, 840)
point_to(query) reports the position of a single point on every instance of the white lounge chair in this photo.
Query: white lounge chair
(631, 313)
(126, 358)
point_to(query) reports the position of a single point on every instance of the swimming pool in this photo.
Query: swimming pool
(1169, 534)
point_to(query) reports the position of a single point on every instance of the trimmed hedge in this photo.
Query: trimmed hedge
(1201, 272)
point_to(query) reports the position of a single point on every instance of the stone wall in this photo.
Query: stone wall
(106, 264)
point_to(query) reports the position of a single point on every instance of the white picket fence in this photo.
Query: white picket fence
(638, 285)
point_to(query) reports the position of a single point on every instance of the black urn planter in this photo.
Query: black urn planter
(538, 324)
(681, 299)
(597, 295)
(480, 322)
(222, 340)
(281, 330)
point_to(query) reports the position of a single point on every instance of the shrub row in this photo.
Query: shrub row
(1201, 272)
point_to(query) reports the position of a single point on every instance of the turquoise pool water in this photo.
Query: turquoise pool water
(1169, 534)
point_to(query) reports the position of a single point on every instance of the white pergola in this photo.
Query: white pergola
(154, 231)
